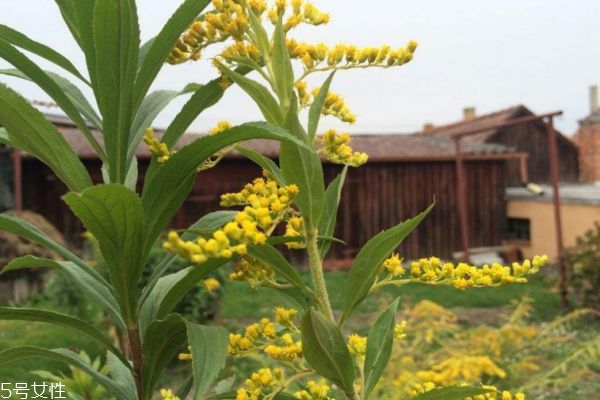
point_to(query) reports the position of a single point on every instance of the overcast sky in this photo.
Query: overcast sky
(489, 54)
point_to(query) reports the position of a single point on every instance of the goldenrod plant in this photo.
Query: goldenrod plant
(309, 341)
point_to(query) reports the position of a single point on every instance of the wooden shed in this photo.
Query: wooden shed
(530, 138)
(404, 175)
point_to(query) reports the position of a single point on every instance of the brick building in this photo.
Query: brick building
(588, 140)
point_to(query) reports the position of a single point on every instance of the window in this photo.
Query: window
(519, 229)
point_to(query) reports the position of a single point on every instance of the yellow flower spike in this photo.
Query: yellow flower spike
(156, 147)
(285, 316)
(400, 330)
(220, 127)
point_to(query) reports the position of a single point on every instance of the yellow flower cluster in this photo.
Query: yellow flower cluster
(228, 19)
(313, 391)
(393, 266)
(239, 49)
(167, 394)
(254, 272)
(419, 388)
(463, 276)
(322, 57)
(400, 330)
(295, 228)
(211, 284)
(301, 12)
(357, 345)
(276, 342)
(288, 350)
(220, 127)
(266, 203)
(158, 149)
(337, 150)
(333, 105)
(259, 383)
(461, 369)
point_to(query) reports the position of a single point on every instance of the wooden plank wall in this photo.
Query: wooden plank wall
(376, 196)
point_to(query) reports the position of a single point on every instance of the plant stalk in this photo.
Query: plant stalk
(316, 272)
(135, 347)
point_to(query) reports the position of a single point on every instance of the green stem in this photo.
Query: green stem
(316, 272)
(135, 347)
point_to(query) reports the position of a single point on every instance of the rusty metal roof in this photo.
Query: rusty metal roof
(388, 147)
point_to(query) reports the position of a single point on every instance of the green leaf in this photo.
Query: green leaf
(379, 347)
(280, 68)
(264, 162)
(29, 131)
(209, 351)
(114, 387)
(262, 97)
(170, 289)
(451, 393)
(368, 261)
(152, 105)
(114, 215)
(73, 93)
(316, 108)
(49, 85)
(262, 38)
(75, 324)
(325, 350)
(92, 286)
(4, 139)
(116, 41)
(162, 44)
(120, 372)
(78, 15)
(26, 230)
(301, 165)
(330, 207)
(162, 342)
(166, 190)
(16, 38)
(270, 256)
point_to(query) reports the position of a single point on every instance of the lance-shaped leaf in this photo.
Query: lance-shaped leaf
(302, 166)
(28, 130)
(116, 44)
(16, 38)
(264, 162)
(162, 342)
(368, 261)
(326, 351)
(170, 289)
(261, 95)
(152, 105)
(270, 256)
(78, 15)
(281, 67)
(209, 350)
(74, 324)
(166, 190)
(162, 44)
(50, 86)
(451, 393)
(80, 102)
(26, 230)
(379, 347)
(316, 108)
(114, 215)
(330, 208)
(115, 387)
(94, 288)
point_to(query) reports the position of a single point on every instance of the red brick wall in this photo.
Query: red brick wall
(588, 140)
